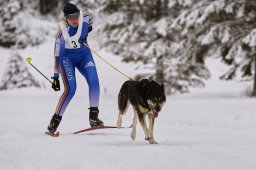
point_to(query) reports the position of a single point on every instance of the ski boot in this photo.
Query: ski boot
(55, 121)
(93, 117)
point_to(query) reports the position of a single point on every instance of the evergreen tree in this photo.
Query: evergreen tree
(17, 75)
(52, 7)
(220, 28)
(141, 32)
(18, 24)
(174, 37)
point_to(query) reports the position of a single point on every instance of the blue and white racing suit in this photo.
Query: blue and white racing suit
(70, 54)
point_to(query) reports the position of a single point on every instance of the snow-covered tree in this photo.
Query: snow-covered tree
(220, 28)
(249, 68)
(173, 37)
(140, 31)
(19, 24)
(17, 75)
(51, 7)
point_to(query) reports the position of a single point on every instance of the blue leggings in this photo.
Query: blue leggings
(87, 68)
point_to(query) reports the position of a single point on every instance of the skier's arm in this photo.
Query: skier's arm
(59, 47)
(90, 23)
(87, 27)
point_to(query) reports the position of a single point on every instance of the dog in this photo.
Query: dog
(147, 97)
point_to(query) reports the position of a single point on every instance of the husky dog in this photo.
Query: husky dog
(147, 98)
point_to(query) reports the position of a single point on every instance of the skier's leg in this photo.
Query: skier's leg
(69, 82)
(68, 76)
(88, 69)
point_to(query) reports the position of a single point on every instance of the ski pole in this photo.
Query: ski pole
(28, 60)
(108, 62)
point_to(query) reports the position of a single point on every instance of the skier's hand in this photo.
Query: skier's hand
(83, 40)
(90, 28)
(56, 84)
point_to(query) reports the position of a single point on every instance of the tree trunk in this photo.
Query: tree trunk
(51, 6)
(160, 70)
(254, 82)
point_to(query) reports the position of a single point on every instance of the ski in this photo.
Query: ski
(57, 134)
(98, 127)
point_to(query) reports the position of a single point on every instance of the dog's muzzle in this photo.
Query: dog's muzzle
(155, 107)
(156, 110)
(155, 114)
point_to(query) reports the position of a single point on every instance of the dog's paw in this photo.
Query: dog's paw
(133, 135)
(152, 141)
(147, 138)
(119, 124)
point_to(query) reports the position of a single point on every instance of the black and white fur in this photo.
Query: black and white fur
(147, 98)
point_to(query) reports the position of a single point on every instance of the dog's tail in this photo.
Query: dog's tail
(123, 98)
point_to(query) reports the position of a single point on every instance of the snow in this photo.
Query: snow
(250, 39)
(16, 74)
(216, 33)
(161, 27)
(208, 129)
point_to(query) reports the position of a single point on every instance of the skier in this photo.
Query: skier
(71, 53)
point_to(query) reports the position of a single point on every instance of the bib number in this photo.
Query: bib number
(74, 44)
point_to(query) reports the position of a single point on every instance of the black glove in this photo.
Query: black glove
(56, 84)
(83, 40)
(89, 28)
